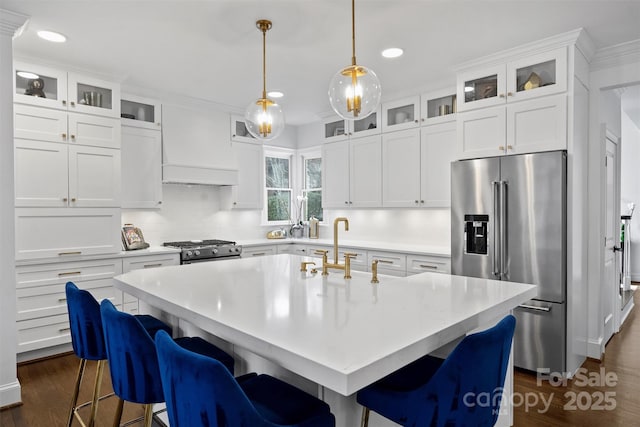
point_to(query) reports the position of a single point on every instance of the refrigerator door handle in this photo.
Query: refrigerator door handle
(535, 308)
(496, 222)
(503, 228)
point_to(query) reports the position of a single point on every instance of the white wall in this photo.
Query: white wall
(9, 386)
(195, 212)
(630, 187)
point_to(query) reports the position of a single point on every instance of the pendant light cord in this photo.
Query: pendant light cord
(353, 32)
(264, 62)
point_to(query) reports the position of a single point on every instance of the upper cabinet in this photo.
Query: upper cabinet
(140, 112)
(438, 107)
(52, 88)
(401, 114)
(523, 78)
(239, 130)
(337, 129)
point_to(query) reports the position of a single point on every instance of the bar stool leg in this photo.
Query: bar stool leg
(365, 417)
(76, 391)
(118, 415)
(96, 393)
(148, 414)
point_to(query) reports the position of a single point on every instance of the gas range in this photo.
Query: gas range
(192, 251)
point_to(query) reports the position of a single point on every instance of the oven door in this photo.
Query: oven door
(219, 258)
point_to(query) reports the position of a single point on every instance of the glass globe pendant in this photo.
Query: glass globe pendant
(264, 118)
(354, 91)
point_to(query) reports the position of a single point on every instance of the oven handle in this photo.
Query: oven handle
(220, 258)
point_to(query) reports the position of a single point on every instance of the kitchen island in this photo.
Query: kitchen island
(341, 334)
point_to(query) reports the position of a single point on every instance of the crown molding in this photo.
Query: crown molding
(617, 55)
(12, 24)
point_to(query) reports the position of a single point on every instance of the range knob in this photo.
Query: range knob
(237, 249)
(197, 253)
(189, 253)
(215, 251)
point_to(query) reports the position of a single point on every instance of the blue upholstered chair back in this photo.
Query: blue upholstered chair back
(200, 391)
(467, 388)
(132, 357)
(85, 323)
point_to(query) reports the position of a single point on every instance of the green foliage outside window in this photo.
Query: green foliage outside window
(278, 190)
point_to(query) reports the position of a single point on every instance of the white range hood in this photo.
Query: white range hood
(196, 147)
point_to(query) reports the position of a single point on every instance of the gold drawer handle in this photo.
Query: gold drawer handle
(435, 267)
(152, 265)
(385, 261)
(62, 299)
(64, 329)
(69, 273)
(70, 253)
(258, 254)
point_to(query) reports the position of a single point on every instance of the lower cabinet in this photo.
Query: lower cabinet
(262, 250)
(292, 249)
(130, 303)
(391, 263)
(421, 264)
(42, 319)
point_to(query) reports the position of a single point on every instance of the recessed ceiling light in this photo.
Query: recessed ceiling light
(52, 36)
(392, 52)
(27, 75)
(275, 94)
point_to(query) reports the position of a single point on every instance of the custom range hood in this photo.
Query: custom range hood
(196, 147)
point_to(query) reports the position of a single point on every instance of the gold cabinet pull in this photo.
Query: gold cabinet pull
(501, 147)
(62, 299)
(73, 137)
(64, 329)
(501, 95)
(509, 147)
(258, 254)
(433, 267)
(69, 273)
(64, 102)
(70, 253)
(509, 93)
(385, 261)
(64, 199)
(73, 104)
(73, 199)
(64, 135)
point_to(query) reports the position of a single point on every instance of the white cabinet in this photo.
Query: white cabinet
(391, 263)
(401, 114)
(50, 174)
(337, 129)
(351, 173)
(524, 127)
(422, 263)
(438, 106)
(251, 251)
(416, 166)
(522, 78)
(239, 130)
(42, 319)
(52, 88)
(141, 167)
(293, 249)
(130, 303)
(66, 232)
(250, 189)
(136, 111)
(358, 263)
(43, 124)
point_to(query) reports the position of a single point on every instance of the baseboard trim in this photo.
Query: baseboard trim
(10, 394)
(626, 311)
(594, 348)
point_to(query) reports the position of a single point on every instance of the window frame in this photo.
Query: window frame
(281, 153)
(303, 155)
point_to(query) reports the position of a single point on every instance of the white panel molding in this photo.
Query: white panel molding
(617, 55)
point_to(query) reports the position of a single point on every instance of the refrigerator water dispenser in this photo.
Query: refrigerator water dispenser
(476, 234)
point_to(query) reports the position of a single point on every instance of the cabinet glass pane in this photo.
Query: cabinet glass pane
(334, 128)
(94, 96)
(369, 122)
(137, 111)
(34, 84)
(241, 129)
(401, 114)
(441, 106)
(482, 88)
(537, 75)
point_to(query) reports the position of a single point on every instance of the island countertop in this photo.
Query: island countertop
(340, 333)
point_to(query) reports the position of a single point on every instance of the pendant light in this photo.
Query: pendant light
(354, 92)
(264, 118)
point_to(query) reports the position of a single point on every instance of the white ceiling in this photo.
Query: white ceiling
(211, 49)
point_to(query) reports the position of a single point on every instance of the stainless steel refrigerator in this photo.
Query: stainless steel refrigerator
(509, 222)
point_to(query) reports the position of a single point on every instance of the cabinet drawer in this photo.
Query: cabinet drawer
(311, 251)
(60, 273)
(66, 232)
(43, 332)
(421, 264)
(291, 249)
(258, 251)
(389, 262)
(131, 307)
(151, 261)
(358, 263)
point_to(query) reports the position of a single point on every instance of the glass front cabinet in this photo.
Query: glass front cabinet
(401, 114)
(337, 129)
(239, 130)
(533, 76)
(438, 107)
(48, 87)
(140, 112)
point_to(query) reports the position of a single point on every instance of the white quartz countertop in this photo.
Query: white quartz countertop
(342, 334)
(444, 251)
(151, 250)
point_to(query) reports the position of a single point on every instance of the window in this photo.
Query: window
(278, 187)
(312, 187)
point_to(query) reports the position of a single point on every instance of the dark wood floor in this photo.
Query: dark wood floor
(47, 385)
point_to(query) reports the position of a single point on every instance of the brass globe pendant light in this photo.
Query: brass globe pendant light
(354, 92)
(264, 118)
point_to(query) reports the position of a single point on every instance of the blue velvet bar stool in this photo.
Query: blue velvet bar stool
(199, 391)
(450, 392)
(88, 344)
(133, 362)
